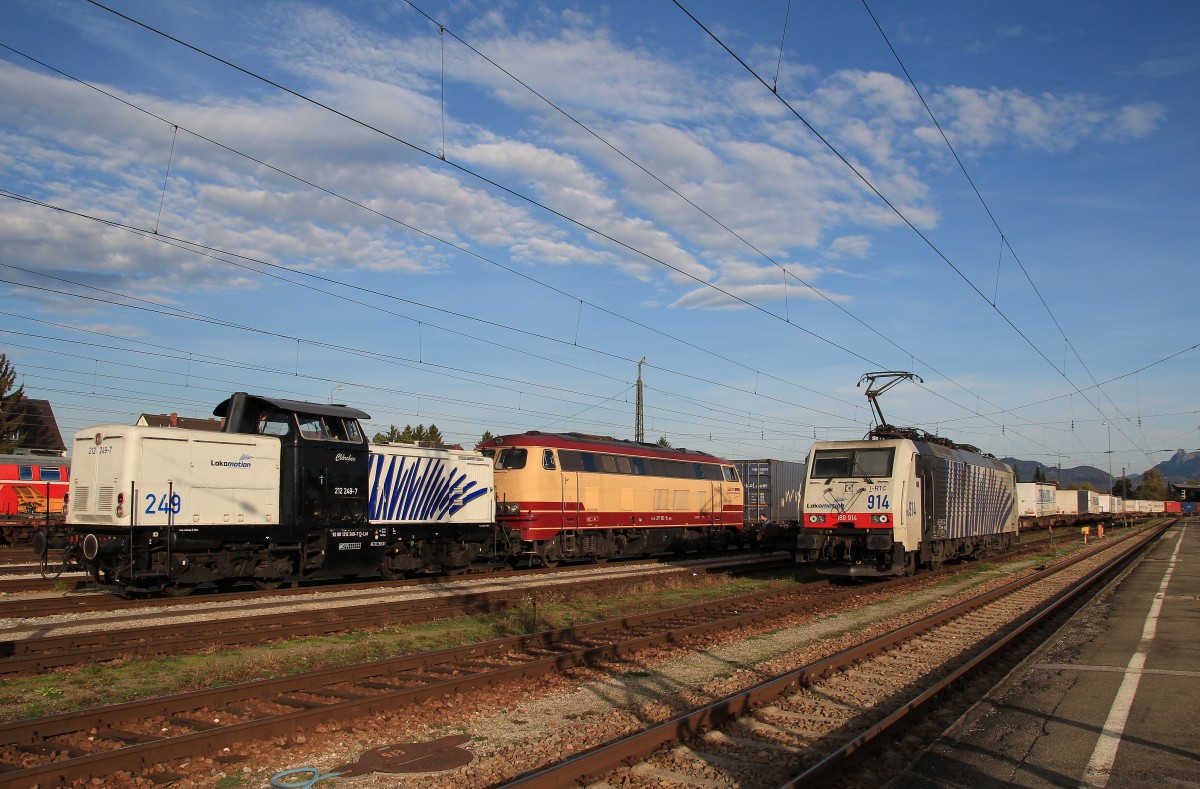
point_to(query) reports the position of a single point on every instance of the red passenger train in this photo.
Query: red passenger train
(573, 496)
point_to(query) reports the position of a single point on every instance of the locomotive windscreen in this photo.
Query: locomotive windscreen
(866, 462)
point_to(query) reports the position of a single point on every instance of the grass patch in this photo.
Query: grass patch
(136, 678)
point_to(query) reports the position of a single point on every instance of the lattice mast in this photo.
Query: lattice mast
(639, 420)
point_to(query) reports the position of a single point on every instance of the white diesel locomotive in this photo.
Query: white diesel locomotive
(287, 489)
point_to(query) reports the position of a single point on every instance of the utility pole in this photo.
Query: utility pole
(639, 422)
(1111, 480)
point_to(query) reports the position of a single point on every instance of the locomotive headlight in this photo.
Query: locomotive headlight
(120, 505)
(816, 518)
(66, 502)
(508, 508)
(880, 518)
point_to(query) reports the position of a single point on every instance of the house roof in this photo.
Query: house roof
(39, 429)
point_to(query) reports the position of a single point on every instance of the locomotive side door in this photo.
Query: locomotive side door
(568, 487)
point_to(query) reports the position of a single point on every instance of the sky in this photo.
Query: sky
(484, 216)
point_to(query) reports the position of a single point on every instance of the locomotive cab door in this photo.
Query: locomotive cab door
(333, 469)
(568, 487)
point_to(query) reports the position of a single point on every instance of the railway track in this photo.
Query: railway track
(76, 582)
(37, 644)
(113, 638)
(140, 736)
(143, 737)
(808, 727)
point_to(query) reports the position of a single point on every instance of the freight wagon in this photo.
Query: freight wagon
(773, 490)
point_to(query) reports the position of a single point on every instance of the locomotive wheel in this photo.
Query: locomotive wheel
(910, 562)
(267, 584)
(178, 589)
(550, 554)
(389, 574)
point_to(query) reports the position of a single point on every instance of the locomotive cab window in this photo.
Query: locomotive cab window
(51, 474)
(274, 423)
(548, 459)
(839, 463)
(329, 428)
(512, 458)
(313, 427)
(25, 472)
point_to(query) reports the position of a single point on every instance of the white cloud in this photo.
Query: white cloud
(976, 119)
(731, 148)
(848, 247)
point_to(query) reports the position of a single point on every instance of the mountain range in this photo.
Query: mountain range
(1183, 466)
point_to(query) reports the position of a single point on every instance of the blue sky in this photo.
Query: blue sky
(487, 228)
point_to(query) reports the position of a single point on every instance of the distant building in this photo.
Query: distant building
(38, 433)
(175, 420)
(1180, 492)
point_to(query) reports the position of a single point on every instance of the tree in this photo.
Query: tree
(486, 437)
(663, 442)
(392, 436)
(412, 435)
(1038, 474)
(10, 416)
(1153, 487)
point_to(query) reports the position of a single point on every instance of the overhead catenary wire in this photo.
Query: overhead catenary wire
(785, 271)
(525, 198)
(1004, 240)
(890, 205)
(457, 247)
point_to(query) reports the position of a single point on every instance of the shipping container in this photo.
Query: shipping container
(1035, 499)
(1172, 506)
(1066, 502)
(772, 490)
(1089, 502)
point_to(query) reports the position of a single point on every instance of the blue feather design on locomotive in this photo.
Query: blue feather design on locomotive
(417, 489)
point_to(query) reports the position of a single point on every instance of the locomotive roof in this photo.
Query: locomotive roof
(298, 406)
(600, 443)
